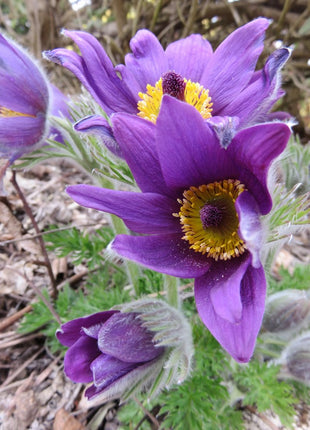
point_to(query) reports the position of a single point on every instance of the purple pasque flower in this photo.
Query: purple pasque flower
(198, 215)
(26, 98)
(24, 101)
(110, 349)
(219, 83)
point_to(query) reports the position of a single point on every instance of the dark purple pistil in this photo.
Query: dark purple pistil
(211, 216)
(174, 85)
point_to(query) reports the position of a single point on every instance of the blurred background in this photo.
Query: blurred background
(37, 25)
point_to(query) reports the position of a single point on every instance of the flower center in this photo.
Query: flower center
(211, 215)
(210, 221)
(176, 86)
(8, 113)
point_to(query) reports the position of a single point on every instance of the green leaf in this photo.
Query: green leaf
(259, 382)
(80, 246)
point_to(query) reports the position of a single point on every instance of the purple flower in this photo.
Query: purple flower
(198, 213)
(25, 100)
(220, 83)
(110, 349)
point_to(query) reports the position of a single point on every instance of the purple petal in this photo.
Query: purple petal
(278, 116)
(20, 135)
(148, 61)
(124, 338)
(59, 106)
(71, 331)
(115, 389)
(17, 96)
(136, 138)
(257, 99)
(250, 228)
(224, 281)
(189, 57)
(23, 85)
(95, 71)
(97, 124)
(275, 63)
(189, 151)
(233, 63)
(107, 369)
(146, 213)
(129, 79)
(253, 149)
(94, 123)
(164, 253)
(78, 359)
(237, 338)
(225, 128)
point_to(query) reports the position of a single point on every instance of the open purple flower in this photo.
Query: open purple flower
(198, 213)
(219, 83)
(25, 100)
(110, 349)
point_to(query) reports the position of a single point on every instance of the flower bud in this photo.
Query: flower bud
(123, 351)
(296, 356)
(26, 100)
(286, 312)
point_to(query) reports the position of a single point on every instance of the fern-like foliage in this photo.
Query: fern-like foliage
(259, 382)
(80, 246)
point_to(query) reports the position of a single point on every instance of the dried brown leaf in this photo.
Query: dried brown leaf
(64, 420)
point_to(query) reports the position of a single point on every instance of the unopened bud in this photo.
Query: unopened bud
(296, 357)
(286, 312)
(123, 351)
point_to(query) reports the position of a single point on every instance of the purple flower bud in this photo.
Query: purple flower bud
(120, 352)
(286, 311)
(26, 98)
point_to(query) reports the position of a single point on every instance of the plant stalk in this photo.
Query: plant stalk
(171, 286)
(39, 237)
(131, 268)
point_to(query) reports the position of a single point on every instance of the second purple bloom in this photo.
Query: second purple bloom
(198, 215)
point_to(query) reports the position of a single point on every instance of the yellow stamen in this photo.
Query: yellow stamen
(8, 113)
(219, 239)
(194, 95)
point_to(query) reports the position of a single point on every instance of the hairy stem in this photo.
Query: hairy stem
(171, 287)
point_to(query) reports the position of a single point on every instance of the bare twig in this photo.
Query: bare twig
(15, 317)
(158, 6)
(286, 8)
(42, 233)
(191, 18)
(44, 300)
(266, 420)
(21, 339)
(15, 384)
(36, 227)
(120, 15)
(147, 413)
(46, 372)
(11, 377)
(136, 18)
(234, 12)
